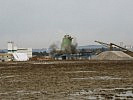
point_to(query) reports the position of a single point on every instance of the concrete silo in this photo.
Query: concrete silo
(11, 47)
(66, 43)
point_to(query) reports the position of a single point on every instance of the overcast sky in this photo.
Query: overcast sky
(39, 23)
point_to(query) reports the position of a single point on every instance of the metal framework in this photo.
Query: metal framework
(112, 45)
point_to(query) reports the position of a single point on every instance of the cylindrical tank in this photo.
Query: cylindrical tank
(66, 42)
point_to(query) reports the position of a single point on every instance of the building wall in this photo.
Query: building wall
(27, 51)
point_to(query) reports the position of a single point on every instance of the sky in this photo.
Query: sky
(40, 23)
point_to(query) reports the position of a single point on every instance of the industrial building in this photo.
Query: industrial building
(20, 54)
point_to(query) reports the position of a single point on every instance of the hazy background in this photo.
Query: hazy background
(39, 23)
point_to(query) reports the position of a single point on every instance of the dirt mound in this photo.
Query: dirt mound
(113, 55)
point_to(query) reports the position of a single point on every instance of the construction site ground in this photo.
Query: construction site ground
(66, 80)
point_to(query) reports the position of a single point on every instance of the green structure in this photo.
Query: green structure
(66, 43)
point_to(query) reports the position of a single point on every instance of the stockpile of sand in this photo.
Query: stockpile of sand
(113, 55)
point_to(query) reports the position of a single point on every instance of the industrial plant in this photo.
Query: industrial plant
(69, 50)
(66, 50)
(16, 54)
(94, 72)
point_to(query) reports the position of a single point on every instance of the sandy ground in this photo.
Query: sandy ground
(67, 80)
